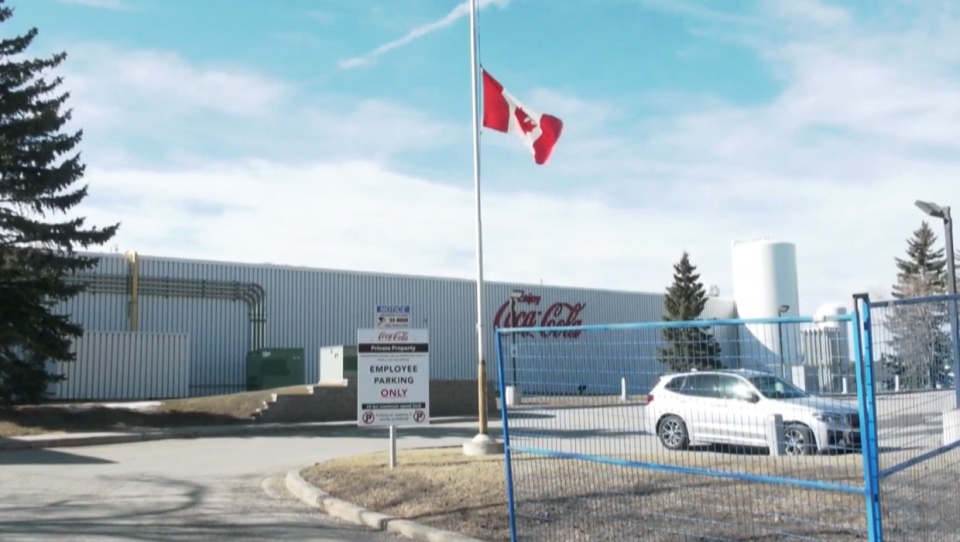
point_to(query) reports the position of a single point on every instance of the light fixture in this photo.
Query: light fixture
(931, 208)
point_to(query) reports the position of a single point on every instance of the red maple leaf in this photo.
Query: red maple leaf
(526, 122)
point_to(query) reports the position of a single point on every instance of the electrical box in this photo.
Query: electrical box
(271, 368)
(338, 364)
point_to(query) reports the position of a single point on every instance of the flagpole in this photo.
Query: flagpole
(482, 443)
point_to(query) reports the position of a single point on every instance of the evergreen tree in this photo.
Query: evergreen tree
(687, 347)
(38, 176)
(918, 333)
(923, 263)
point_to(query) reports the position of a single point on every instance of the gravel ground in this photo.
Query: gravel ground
(559, 499)
(570, 500)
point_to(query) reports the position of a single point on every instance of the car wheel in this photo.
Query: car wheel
(798, 440)
(673, 433)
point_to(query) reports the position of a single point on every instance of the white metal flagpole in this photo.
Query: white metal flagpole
(482, 443)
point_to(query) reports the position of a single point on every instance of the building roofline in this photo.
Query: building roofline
(355, 272)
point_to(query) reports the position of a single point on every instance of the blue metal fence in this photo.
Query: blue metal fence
(909, 345)
(652, 450)
(731, 454)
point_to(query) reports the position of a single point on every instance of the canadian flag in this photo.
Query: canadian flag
(504, 113)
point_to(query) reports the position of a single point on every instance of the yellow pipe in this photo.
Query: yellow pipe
(134, 288)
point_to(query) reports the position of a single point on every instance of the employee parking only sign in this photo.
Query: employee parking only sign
(393, 377)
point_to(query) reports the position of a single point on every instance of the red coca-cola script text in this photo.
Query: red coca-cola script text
(393, 336)
(527, 313)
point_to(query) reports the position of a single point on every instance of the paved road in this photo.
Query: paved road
(185, 490)
(232, 488)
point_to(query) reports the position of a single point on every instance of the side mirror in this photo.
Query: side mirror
(753, 398)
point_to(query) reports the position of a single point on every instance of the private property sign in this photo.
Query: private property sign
(393, 377)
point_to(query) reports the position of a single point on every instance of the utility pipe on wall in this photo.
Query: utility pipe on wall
(249, 292)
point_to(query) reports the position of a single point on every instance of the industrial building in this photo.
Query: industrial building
(205, 317)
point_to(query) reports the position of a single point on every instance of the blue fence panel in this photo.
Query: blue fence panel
(910, 344)
(610, 434)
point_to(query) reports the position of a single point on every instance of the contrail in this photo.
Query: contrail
(462, 10)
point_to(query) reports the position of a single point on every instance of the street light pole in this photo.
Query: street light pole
(513, 341)
(515, 391)
(943, 213)
(783, 367)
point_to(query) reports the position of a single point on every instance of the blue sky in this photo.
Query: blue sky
(336, 133)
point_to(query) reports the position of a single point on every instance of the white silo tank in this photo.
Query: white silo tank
(764, 280)
(827, 310)
(827, 349)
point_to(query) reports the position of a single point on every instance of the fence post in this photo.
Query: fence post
(505, 420)
(775, 435)
(866, 406)
(623, 390)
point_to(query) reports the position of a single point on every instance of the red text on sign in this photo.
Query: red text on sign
(393, 336)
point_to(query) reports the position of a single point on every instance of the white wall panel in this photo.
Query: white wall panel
(122, 365)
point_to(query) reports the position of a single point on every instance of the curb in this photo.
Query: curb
(67, 441)
(312, 495)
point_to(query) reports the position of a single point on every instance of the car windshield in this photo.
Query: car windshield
(773, 387)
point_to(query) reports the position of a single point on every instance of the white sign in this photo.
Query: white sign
(392, 316)
(393, 377)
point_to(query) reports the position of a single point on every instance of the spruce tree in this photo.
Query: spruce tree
(923, 263)
(39, 172)
(691, 347)
(918, 337)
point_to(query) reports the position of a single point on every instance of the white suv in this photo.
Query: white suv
(734, 407)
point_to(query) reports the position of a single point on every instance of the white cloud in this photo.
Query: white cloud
(150, 78)
(359, 215)
(699, 11)
(143, 97)
(810, 11)
(460, 11)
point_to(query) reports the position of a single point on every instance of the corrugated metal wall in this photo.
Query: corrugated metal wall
(113, 365)
(312, 308)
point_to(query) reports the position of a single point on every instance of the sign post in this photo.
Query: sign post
(393, 380)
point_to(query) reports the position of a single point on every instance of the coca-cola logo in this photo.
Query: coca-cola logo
(526, 313)
(394, 336)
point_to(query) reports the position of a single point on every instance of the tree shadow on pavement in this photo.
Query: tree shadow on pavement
(156, 509)
(48, 457)
(52, 419)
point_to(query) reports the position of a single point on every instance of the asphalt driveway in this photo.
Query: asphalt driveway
(185, 490)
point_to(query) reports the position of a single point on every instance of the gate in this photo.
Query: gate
(910, 342)
(609, 435)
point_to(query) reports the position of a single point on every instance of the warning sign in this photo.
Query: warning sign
(393, 377)
(392, 316)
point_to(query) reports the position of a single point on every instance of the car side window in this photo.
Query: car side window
(732, 387)
(702, 386)
(675, 384)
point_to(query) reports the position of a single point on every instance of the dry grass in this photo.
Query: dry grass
(439, 487)
(565, 500)
(229, 409)
(235, 405)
